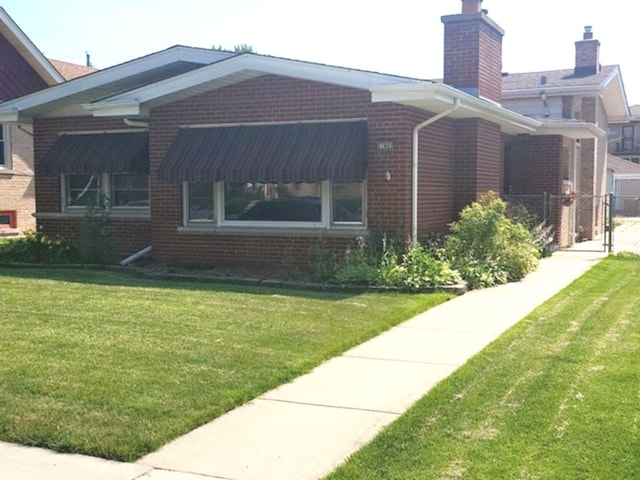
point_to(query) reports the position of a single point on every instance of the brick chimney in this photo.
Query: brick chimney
(587, 54)
(473, 52)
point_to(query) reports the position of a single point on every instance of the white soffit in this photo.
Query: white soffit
(101, 83)
(234, 70)
(439, 97)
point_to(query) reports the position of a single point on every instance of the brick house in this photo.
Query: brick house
(579, 104)
(214, 158)
(23, 70)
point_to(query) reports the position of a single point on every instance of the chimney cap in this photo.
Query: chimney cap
(588, 33)
(471, 6)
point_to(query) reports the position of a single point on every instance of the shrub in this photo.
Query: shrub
(37, 248)
(382, 263)
(94, 240)
(358, 266)
(487, 247)
(421, 269)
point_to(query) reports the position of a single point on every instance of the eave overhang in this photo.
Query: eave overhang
(611, 92)
(439, 97)
(575, 130)
(230, 71)
(23, 44)
(66, 97)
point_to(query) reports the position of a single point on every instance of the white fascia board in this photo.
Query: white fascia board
(10, 116)
(438, 97)
(118, 110)
(550, 91)
(574, 130)
(626, 176)
(112, 74)
(37, 56)
(249, 62)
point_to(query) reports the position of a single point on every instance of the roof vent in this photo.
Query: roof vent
(543, 80)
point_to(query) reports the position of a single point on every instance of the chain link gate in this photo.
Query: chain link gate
(624, 229)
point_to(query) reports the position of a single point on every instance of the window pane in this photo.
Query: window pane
(130, 190)
(273, 202)
(82, 190)
(201, 201)
(347, 202)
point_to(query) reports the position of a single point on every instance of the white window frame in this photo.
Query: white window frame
(326, 221)
(105, 187)
(5, 142)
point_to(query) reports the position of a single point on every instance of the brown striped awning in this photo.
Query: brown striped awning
(269, 153)
(92, 153)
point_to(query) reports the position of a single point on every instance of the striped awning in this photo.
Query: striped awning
(269, 153)
(92, 153)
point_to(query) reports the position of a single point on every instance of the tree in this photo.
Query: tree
(242, 48)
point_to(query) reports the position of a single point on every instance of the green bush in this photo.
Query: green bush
(94, 239)
(421, 269)
(358, 266)
(487, 247)
(379, 262)
(37, 248)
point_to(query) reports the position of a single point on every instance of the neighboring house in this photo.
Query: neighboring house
(23, 70)
(624, 183)
(580, 103)
(214, 158)
(624, 138)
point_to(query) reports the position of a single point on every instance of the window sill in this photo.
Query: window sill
(10, 232)
(273, 231)
(142, 214)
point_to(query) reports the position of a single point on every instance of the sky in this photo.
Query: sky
(400, 37)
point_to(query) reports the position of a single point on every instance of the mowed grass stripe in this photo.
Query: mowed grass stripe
(102, 363)
(556, 397)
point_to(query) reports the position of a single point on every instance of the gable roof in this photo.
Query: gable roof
(607, 83)
(66, 99)
(132, 88)
(25, 47)
(233, 70)
(71, 70)
(622, 166)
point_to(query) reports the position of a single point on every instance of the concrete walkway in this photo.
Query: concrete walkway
(305, 429)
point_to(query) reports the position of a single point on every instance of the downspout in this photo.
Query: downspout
(414, 166)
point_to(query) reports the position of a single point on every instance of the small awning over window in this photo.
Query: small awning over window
(269, 153)
(92, 153)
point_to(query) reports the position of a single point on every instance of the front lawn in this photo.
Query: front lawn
(556, 397)
(102, 363)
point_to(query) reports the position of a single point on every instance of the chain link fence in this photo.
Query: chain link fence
(581, 222)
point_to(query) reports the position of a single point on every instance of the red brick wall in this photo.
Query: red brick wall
(535, 165)
(130, 235)
(473, 55)
(479, 160)
(437, 178)
(279, 99)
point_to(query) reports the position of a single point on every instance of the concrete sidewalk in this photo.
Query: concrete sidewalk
(305, 429)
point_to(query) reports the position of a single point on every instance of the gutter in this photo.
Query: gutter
(414, 167)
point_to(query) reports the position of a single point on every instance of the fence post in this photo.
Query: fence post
(610, 211)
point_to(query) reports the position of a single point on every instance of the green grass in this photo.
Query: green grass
(106, 364)
(556, 397)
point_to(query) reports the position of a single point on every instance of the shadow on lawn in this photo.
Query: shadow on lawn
(124, 277)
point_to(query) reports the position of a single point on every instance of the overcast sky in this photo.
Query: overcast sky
(402, 37)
